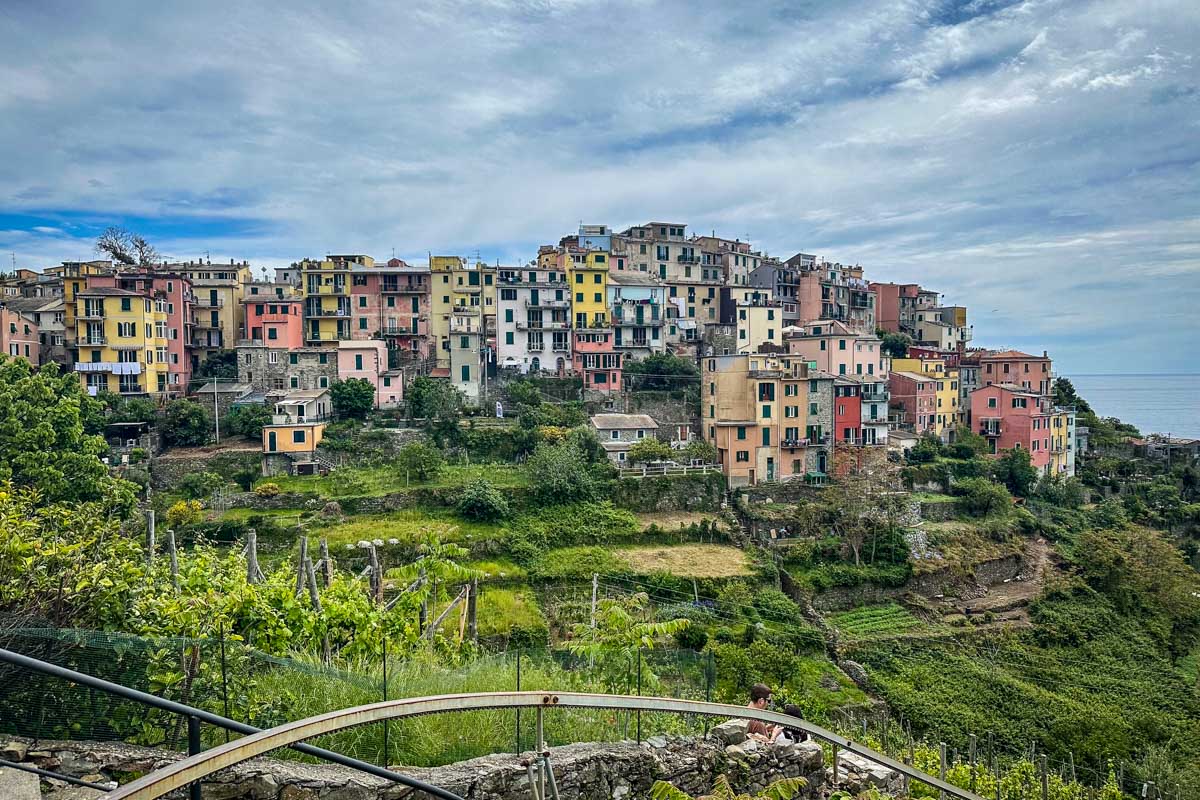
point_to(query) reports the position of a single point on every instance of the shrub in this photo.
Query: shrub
(248, 421)
(346, 482)
(352, 398)
(185, 423)
(267, 489)
(482, 501)
(650, 449)
(981, 497)
(422, 461)
(137, 455)
(776, 606)
(559, 474)
(700, 450)
(200, 484)
(185, 513)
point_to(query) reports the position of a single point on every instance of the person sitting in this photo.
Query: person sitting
(787, 734)
(760, 698)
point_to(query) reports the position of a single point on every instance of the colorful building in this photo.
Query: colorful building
(838, 349)
(889, 298)
(763, 413)
(327, 306)
(458, 287)
(122, 342)
(1020, 369)
(1062, 442)
(368, 360)
(948, 411)
(273, 322)
(217, 290)
(593, 345)
(1011, 416)
(636, 301)
(533, 317)
(391, 302)
(19, 335)
(913, 400)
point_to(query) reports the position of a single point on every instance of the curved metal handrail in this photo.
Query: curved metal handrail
(194, 768)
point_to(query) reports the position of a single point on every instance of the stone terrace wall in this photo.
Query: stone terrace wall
(583, 771)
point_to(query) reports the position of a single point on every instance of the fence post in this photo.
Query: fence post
(972, 756)
(639, 692)
(224, 679)
(193, 731)
(518, 707)
(1045, 777)
(941, 767)
(835, 764)
(386, 726)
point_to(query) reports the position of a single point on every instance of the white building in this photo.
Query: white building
(532, 320)
(619, 432)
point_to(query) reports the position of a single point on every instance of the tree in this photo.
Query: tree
(896, 344)
(650, 449)
(43, 445)
(199, 485)
(700, 450)
(624, 626)
(248, 420)
(967, 443)
(661, 371)
(128, 409)
(559, 474)
(186, 423)
(440, 406)
(125, 247)
(864, 507)
(1015, 471)
(482, 501)
(354, 397)
(219, 364)
(927, 449)
(421, 461)
(585, 439)
(1065, 395)
(982, 498)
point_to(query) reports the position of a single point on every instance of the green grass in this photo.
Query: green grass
(373, 481)
(241, 514)
(501, 569)
(407, 526)
(815, 677)
(874, 622)
(930, 497)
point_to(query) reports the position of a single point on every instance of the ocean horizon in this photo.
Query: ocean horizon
(1167, 403)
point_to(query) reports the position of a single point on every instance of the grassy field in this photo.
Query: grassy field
(963, 544)
(875, 622)
(498, 569)
(407, 526)
(686, 560)
(369, 481)
(930, 497)
(672, 520)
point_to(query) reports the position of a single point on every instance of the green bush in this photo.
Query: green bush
(482, 502)
(559, 473)
(247, 421)
(199, 485)
(577, 563)
(980, 497)
(421, 461)
(267, 489)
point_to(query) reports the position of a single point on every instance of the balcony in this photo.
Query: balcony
(792, 444)
(989, 427)
(329, 312)
(114, 367)
(249, 342)
(636, 343)
(92, 341)
(874, 396)
(214, 343)
(298, 419)
(544, 303)
(91, 313)
(209, 302)
(768, 374)
(526, 325)
(402, 288)
(684, 259)
(396, 330)
(317, 336)
(326, 289)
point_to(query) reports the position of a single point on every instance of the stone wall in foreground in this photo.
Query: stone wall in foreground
(583, 771)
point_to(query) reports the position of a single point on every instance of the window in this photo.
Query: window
(766, 437)
(508, 316)
(991, 402)
(272, 357)
(323, 382)
(362, 323)
(579, 297)
(641, 434)
(466, 373)
(812, 408)
(741, 432)
(293, 358)
(272, 334)
(126, 304)
(597, 278)
(358, 362)
(579, 277)
(822, 344)
(362, 301)
(323, 358)
(298, 437)
(766, 412)
(294, 382)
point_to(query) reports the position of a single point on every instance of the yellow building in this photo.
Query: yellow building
(756, 411)
(217, 290)
(458, 286)
(327, 305)
(587, 276)
(121, 338)
(1062, 443)
(949, 413)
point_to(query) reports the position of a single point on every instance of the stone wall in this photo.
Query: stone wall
(946, 581)
(582, 771)
(167, 470)
(938, 512)
(700, 492)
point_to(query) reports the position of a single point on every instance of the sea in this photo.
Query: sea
(1154, 403)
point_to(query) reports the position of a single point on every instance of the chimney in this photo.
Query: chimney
(1045, 354)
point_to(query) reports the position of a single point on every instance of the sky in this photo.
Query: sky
(1036, 161)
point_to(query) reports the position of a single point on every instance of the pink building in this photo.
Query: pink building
(368, 360)
(914, 399)
(392, 303)
(838, 349)
(1011, 416)
(888, 303)
(19, 335)
(276, 322)
(176, 291)
(594, 357)
(1020, 369)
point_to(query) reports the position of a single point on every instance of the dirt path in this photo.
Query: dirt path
(1008, 602)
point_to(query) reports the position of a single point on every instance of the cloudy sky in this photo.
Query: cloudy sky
(1037, 161)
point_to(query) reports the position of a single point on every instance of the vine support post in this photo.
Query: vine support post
(835, 764)
(173, 554)
(1045, 776)
(639, 692)
(224, 678)
(194, 747)
(972, 757)
(252, 571)
(326, 563)
(386, 723)
(518, 730)
(150, 540)
(1071, 764)
(941, 768)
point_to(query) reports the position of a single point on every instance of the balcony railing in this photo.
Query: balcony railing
(792, 444)
(93, 340)
(527, 325)
(874, 397)
(402, 288)
(209, 302)
(249, 342)
(330, 312)
(546, 303)
(298, 419)
(685, 259)
(631, 344)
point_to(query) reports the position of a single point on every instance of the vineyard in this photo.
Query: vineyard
(875, 622)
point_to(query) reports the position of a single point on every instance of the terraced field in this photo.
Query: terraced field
(875, 622)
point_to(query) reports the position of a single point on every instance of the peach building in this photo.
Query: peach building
(275, 322)
(1020, 369)
(19, 335)
(367, 360)
(838, 349)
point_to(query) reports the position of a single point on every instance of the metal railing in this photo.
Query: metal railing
(195, 717)
(200, 765)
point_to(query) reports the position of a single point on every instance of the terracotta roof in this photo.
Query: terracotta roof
(109, 291)
(1013, 354)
